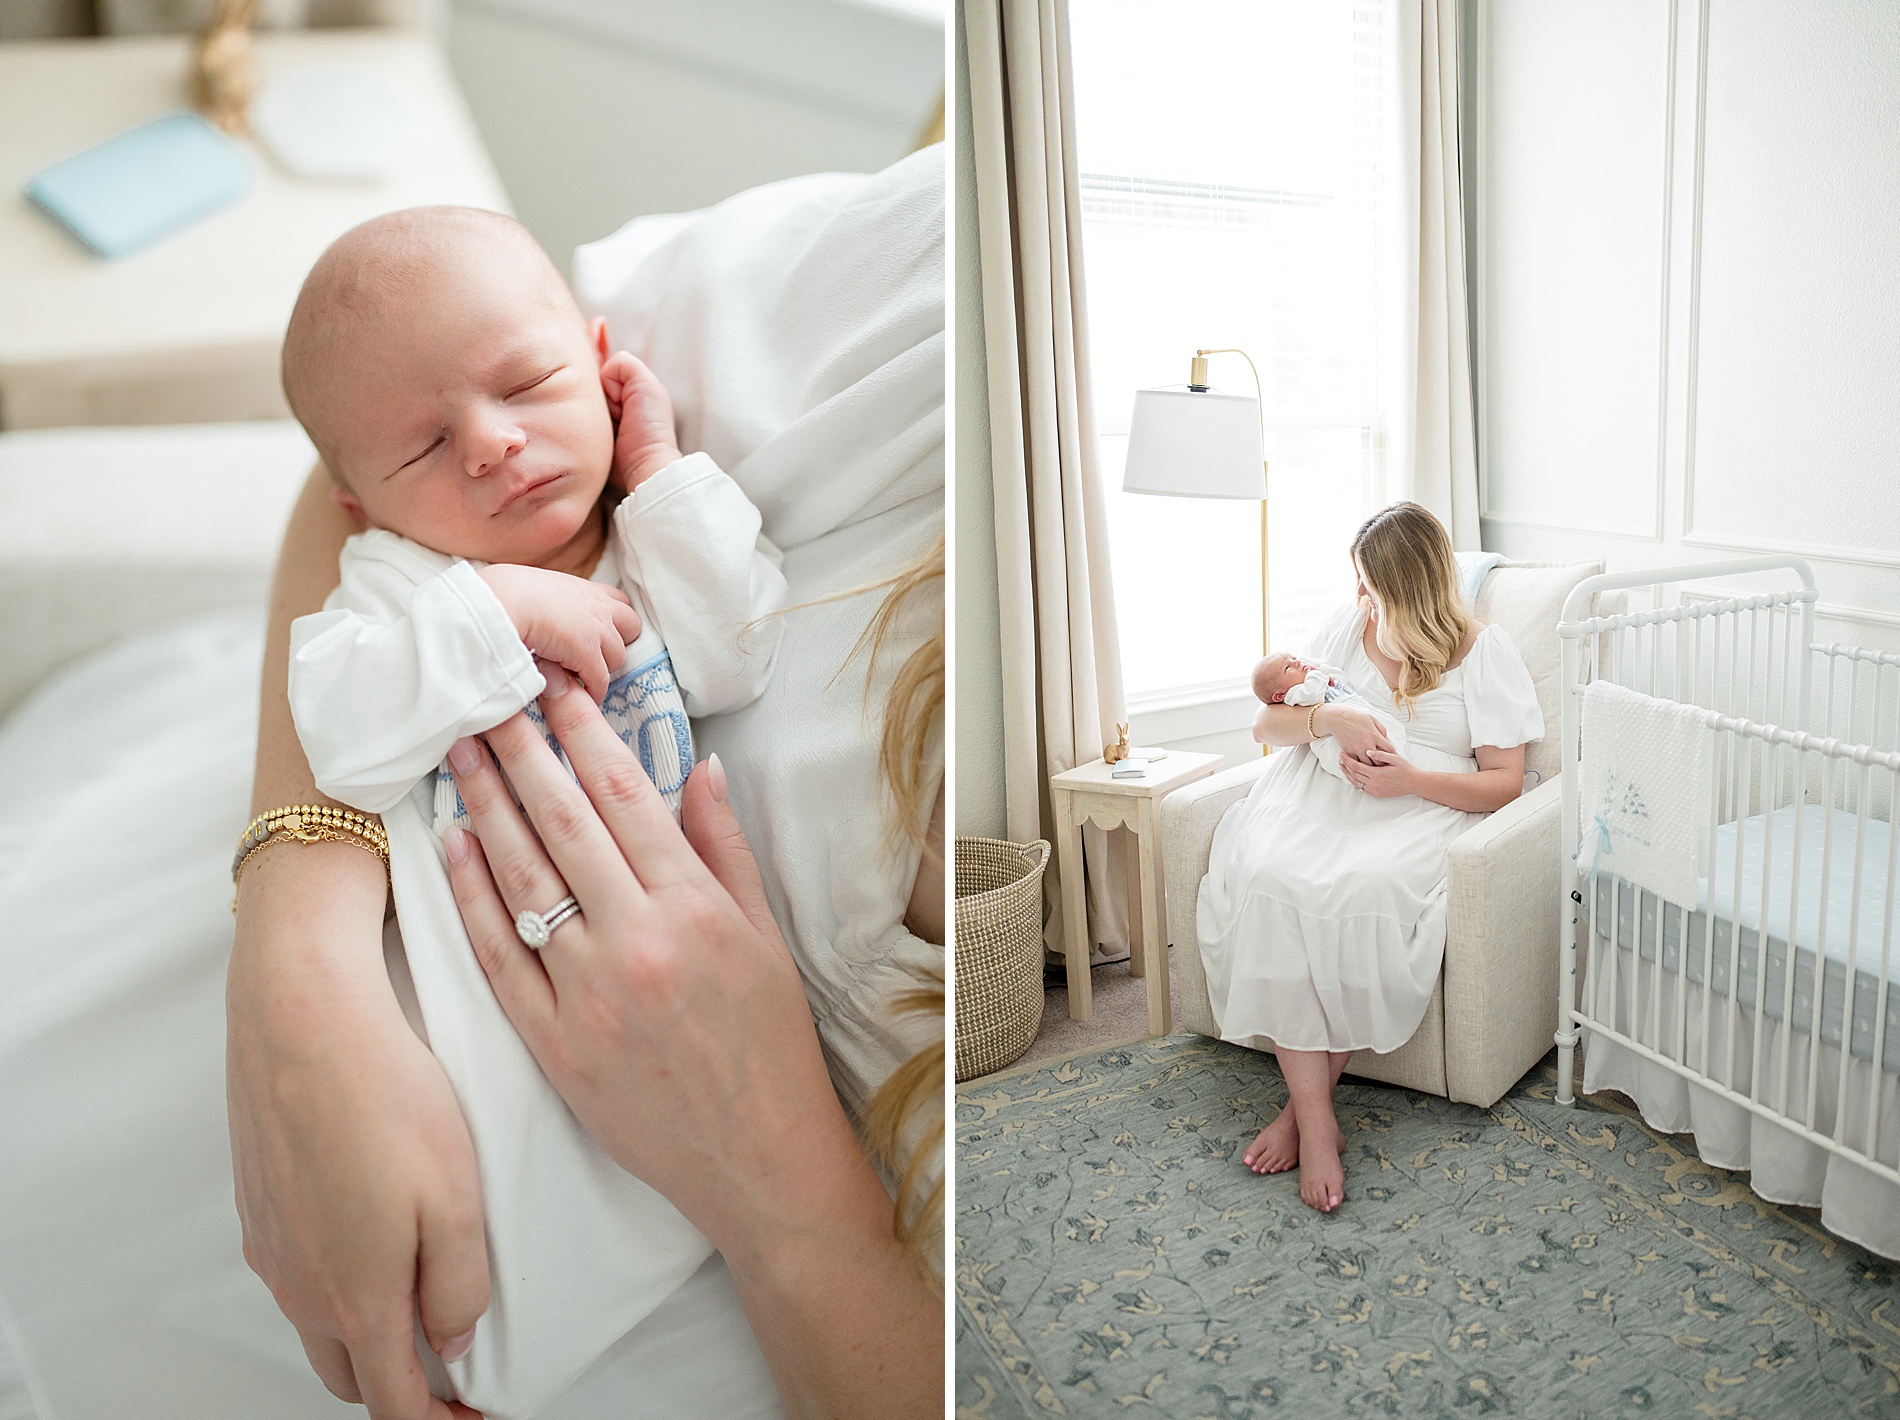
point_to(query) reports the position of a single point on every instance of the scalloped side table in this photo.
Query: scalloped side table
(1086, 794)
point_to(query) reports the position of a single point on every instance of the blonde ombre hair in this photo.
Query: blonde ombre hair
(1404, 557)
(898, 1123)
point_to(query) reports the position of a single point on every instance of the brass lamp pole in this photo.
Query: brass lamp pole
(1197, 381)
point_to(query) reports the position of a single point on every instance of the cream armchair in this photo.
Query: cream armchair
(1493, 1014)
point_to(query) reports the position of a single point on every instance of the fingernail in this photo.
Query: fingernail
(557, 683)
(459, 1347)
(457, 845)
(465, 756)
(716, 777)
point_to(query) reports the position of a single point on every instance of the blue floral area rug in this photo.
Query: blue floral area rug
(1114, 1257)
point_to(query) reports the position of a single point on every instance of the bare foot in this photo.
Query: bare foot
(1322, 1176)
(1276, 1148)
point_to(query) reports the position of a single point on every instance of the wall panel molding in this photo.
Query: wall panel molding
(1483, 271)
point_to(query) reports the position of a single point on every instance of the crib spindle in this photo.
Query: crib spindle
(1770, 757)
(1708, 917)
(1878, 1062)
(1853, 954)
(1828, 787)
(1745, 753)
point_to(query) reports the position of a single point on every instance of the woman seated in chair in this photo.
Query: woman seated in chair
(1322, 915)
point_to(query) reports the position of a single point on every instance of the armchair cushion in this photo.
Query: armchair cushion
(1501, 947)
(1526, 599)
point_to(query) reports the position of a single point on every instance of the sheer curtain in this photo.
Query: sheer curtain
(1282, 177)
(1061, 672)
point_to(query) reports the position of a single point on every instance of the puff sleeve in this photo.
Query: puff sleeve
(1500, 696)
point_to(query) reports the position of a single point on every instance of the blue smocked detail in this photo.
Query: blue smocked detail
(646, 710)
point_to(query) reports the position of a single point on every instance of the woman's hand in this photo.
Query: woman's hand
(355, 1176)
(1358, 733)
(1382, 774)
(672, 1019)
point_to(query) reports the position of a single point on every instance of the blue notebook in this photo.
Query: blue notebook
(131, 192)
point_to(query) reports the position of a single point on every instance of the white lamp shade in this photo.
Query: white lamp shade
(1195, 444)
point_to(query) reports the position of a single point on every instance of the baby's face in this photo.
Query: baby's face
(1278, 675)
(469, 416)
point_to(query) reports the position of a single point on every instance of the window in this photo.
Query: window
(1234, 159)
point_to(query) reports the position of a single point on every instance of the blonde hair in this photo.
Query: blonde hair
(913, 712)
(1404, 556)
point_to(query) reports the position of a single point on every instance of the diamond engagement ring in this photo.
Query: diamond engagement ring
(534, 928)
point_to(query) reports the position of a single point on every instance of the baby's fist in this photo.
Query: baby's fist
(644, 440)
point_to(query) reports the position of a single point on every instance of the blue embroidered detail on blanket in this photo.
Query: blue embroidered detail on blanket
(646, 710)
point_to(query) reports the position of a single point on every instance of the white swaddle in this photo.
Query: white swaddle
(1326, 750)
(413, 651)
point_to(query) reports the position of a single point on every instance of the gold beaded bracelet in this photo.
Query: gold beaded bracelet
(307, 823)
(1311, 715)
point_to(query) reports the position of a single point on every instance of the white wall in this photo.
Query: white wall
(979, 672)
(598, 111)
(1687, 297)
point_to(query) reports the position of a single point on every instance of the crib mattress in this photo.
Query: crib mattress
(1856, 923)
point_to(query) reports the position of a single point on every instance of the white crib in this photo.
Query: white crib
(1757, 1016)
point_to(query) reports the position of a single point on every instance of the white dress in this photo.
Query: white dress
(1322, 915)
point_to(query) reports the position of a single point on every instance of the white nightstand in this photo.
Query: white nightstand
(188, 331)
(1087, 794)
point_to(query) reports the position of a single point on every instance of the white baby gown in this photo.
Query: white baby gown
(411, 652)
(1322, 915)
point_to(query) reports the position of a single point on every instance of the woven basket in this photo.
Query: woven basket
(999, 951)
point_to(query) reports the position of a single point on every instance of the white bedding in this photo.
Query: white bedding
(1853, 923)
(1785, 1168)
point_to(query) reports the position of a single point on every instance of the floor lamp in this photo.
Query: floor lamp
(1199, 443)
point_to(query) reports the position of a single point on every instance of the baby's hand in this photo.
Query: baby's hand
(644, 440)
(585, 626)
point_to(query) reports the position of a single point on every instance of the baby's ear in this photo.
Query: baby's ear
(346, 500)
(597, 337)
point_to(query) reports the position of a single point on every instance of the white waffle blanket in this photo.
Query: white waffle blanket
(1644, 771)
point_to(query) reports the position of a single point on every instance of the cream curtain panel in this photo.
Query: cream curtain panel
(1062, 683)
(1435, 415)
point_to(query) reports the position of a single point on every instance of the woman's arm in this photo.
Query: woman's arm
(349, 1156)
(1357, 732)
(673, 1021)
(1500, 779)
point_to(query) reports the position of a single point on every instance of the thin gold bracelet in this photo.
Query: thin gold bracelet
(307, 823)
(1312, 715)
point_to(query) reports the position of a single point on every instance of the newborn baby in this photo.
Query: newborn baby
(1284, 679)
(522, 496)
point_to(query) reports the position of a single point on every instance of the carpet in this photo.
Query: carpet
(1113, 1257)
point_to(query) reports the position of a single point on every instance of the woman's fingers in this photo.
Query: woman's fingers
(520, 979)
(714, 832)
(642, 826)
(330, 1359)
(391, 1378)
(565, 827)
(451, 1275)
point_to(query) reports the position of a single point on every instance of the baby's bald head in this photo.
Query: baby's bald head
(400, 270)
(439, 364)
